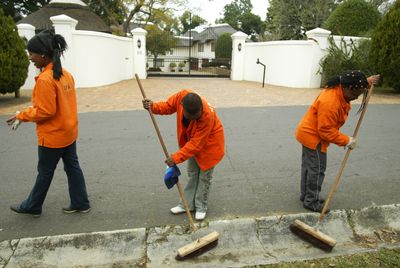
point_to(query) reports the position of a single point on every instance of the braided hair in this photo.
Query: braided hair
(352, 80)
(51, 45)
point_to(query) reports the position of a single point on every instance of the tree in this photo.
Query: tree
(223, 46)
(158, 41)
(353, 17)
(385, 47)
(13, 58)
(190, 23)
(234, 10)
(251, 25)
(142, 11)
(19, 8)
(290, 19)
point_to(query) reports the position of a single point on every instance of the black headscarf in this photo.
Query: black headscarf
(353, 80)
(49, 44)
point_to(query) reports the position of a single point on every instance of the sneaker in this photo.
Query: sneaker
(316, 208)
(200, 215)
(17, 209)
(177, 210)
(70, 210)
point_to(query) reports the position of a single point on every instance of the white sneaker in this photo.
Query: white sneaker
(200, 216)
(177, 210)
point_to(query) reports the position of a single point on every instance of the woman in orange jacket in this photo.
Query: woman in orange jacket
(320, 127)
(201, 142)
(54, 111)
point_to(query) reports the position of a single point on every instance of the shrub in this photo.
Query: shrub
(345, 57)
(181, 65)
(14, 60)
(385, 47)
(172, 65)
(353, 18)
(223, 46)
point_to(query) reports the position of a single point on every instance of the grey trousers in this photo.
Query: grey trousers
(313, 166)
(197, 188)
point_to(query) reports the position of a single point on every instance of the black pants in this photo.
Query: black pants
(48, 160)
(313, 166)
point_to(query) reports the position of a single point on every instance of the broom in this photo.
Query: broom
(312, 234)
(202, 244)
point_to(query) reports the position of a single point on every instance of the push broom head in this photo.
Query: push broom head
(198, 247)
(312, 235)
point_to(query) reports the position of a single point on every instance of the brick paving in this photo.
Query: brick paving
(126, 95)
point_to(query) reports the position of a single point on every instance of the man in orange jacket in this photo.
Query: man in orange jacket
(54, 111)
(320, 127)
(201, 141)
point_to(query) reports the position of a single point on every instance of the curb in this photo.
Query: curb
(242, 242)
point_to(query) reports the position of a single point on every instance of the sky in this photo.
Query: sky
(211, 10)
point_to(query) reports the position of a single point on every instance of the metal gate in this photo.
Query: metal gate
(193, 54)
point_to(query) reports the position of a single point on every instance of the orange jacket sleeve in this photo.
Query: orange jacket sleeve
(328, 116)
(44, 103)
(166, 107)
(197, 141)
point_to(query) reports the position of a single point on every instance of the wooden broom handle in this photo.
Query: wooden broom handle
(355, 134)
(194, 228)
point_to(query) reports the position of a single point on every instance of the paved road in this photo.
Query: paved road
(123, 165)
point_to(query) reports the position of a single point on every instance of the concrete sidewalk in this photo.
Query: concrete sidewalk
(242, 242)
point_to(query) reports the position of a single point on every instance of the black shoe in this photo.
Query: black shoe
(316, 208)
(17, 209)
(70, 210)
(321, 200)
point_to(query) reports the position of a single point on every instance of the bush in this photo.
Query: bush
(223, 46)
(385, 47)
(345, 57)
(353, 18)
(154, 69)
(14, 60)
(172, 65)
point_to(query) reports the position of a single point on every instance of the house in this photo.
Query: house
(76, 9)
(199, 46)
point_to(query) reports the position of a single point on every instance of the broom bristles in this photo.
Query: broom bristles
(198, 251)
(312, 236)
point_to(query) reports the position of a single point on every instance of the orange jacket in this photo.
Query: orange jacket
(323, 119)
(203, 139)
(54, 109)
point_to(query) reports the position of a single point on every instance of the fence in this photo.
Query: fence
(288, 63)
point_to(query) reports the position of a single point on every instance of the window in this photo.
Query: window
(201, 47)
(212, 46)
(171, 52)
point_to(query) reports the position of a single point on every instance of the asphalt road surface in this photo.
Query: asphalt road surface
(259, 176)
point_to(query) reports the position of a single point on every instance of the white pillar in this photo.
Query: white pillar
(27, 31)
(320, 47)
(238, 48)
(320, 36)
(65, 26)
(139, 52)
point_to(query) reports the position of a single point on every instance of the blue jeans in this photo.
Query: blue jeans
(48, 160)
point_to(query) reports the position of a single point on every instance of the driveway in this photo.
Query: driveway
(259, 176)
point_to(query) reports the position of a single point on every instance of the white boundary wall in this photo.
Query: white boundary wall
(288, 63)
(95, 58)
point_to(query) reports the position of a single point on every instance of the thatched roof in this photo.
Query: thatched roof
(87, 19)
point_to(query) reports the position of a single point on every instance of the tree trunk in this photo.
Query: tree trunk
(17, 93)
